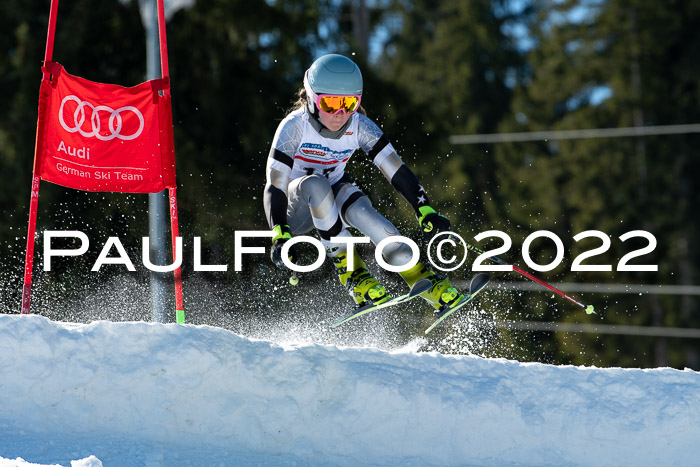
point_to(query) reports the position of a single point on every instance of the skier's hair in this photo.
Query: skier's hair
(302, 99)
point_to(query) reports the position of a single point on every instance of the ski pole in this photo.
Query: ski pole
(294, 279)
(589, 308)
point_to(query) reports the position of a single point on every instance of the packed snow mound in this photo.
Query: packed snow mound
(153, 394)
(91, 461)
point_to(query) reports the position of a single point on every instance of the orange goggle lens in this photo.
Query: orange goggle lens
(334, 104)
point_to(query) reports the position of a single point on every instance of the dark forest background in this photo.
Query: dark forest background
(432, 70)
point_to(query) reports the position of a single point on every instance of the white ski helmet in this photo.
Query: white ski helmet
(331, 74)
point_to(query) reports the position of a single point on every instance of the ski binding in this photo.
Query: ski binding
(476, 285)
(418, 288)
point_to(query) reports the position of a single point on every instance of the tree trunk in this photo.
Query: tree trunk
(360, 25)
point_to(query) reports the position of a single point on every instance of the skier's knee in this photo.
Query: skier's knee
(315, 185)
(397, 254)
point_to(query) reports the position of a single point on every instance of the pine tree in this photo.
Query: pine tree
(638, 54)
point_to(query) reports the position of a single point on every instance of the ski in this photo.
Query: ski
(418, 288)
(477, 284)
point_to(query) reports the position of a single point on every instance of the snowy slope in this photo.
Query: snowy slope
(149, 394)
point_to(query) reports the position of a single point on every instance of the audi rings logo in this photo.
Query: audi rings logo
(114, 124)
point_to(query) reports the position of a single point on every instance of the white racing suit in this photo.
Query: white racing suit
(307, 186)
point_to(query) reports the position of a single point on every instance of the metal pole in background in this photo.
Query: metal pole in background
(158, 214)
(658, 130)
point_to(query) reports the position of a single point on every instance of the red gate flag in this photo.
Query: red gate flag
(104, 137)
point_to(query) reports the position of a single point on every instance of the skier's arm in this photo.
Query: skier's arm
(401, 177)
(279, 168)
(275, 201)
(381, 152)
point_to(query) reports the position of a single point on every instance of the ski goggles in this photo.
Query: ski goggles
(332, 104)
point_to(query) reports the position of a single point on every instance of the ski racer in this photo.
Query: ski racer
(307, 186)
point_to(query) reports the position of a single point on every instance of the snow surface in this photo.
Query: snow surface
(150, 394)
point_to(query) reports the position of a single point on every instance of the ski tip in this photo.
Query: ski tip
(479, 281)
